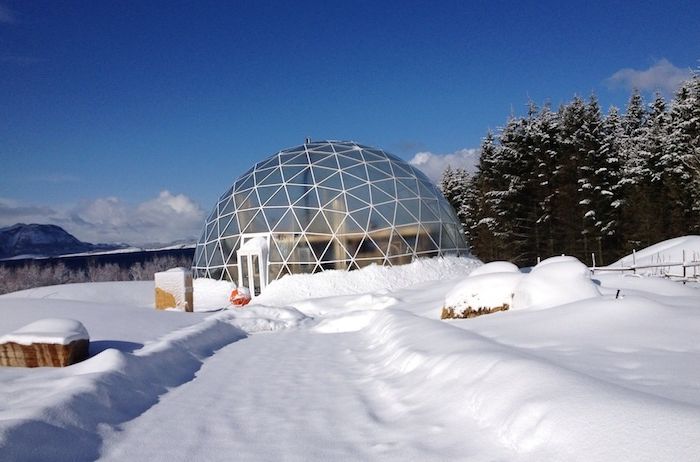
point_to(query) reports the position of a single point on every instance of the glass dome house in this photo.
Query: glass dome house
(324, 205)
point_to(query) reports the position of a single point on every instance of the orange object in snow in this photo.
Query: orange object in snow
(239, 297)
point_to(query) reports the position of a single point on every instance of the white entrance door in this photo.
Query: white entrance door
(252, 262)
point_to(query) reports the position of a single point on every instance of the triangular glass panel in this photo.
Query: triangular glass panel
(278, 199)
(290, 171)
(318, 225)
(354, 203)
(374, 174)
(303, 177)
(273, 215)
(309, 199)
(316, 156)
(271, 162)
(361, 216)
(384, 166)
(244, 182)
(404, 216)
(325, 148)
(211, 230)
(373, 154)
(426, 213)
(400, 172)
(332, 181)
(377, 221)
(398, 245)
(362, 193)
(287, 224)
(228, 246)
(326, 195)
(351, 181)
(351, 226)
(299, 159)
(321, 173)
(329, 162)
(285, 157)
(351, 244)
(346, 162)
(387, 210)
(246, 201)
(275, 177)
(359, 171)
(410, 184)
(229, 207)
(226, 195)
(425, 191)
(216, 259)
(304, 215)
(285, 244)
(265, 192)
(446, 241)
(413, 206)
(222, 205)
(231, 227)
(275, 254)
(402, 192)
(297, 191)
(379, 195)
(336, 204)
(334, 219)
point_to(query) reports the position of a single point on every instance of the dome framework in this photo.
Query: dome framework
(328, 205)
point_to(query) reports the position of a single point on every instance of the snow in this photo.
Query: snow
(358, 366)
(178, 283)
(60, 331)
(669, 251)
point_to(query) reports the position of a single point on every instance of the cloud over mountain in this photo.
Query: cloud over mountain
(165, 218)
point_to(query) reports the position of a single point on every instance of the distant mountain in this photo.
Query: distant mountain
(45, 241)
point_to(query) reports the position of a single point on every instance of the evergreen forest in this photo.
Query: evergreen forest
(579, 182)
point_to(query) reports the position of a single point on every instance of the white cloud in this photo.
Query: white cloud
(434, 164)
(662, 75)
(165, 218)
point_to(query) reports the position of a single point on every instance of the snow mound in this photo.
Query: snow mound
(60, 331)
(372, 278)
(670, 250)
(211, 294)
(486, 290)
(496, 267)
(555, 281)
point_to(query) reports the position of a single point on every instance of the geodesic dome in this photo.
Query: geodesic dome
(328, 205)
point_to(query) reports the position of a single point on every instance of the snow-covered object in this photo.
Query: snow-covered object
(60, 331)
(669, 251)
(483, 291)
(332, 283)
(240, 296)
(555, 281)
(174, 289)
(496, 267)
(210, 294)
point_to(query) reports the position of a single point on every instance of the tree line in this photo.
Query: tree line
(574, 181)
(36, 274)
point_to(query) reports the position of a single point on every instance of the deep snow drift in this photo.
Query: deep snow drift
(358, 366)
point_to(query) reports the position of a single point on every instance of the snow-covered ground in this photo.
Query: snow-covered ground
(358, 366)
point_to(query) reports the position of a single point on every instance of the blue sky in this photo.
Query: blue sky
(110, 110)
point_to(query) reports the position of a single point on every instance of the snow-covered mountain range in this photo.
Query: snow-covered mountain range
(44, 240)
